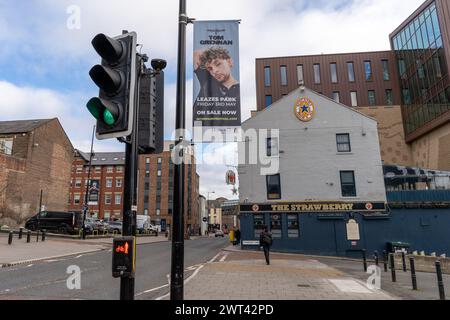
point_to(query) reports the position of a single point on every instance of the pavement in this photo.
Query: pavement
(21, 252)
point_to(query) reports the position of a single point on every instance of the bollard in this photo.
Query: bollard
(37, 236)
(43, 235)
(10, 237)
(28, 236)
(440, 281)
(391, 257)
(364, 260)
(20, 233)
(404, 261)
(375, 255)
(385, 258)
(413, 273)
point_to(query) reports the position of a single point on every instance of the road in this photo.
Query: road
(48, 279)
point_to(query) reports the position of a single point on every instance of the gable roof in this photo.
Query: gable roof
(21, 126)
(274, 105)
(104, 158)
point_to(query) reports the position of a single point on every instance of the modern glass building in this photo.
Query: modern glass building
(421, 46)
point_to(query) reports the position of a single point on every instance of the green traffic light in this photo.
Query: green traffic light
(108, 117)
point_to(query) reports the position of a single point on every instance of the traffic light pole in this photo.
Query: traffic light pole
(177, 268)
(88, 188)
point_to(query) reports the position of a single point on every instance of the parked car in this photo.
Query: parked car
(56, 221)
(115, 226)
(219, 233)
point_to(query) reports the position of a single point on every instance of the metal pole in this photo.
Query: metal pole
(127, 284)
(88, 186)
(404, 261)
(10, 237)
(375, 254)
(413, 273)
(177, 267)
(40, 209)
(440, 280)
(385, 258)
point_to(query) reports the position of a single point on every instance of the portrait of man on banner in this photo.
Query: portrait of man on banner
(216, 69)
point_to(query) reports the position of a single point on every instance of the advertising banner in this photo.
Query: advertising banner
(217, 96)
(93, 196)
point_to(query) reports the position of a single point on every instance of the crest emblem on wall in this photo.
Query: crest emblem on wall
(304, 109)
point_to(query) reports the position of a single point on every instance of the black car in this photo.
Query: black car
(56, 221)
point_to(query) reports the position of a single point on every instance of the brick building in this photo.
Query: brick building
(107, 171)
(155, 189)
(35, 156)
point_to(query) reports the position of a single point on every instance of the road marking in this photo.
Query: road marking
(151, 290)
(30, 265)
(185, 282)
(215, 257)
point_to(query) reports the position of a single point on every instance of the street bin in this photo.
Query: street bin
(231, 236)
(396, 246)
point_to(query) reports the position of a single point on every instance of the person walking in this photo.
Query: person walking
(265, 240)
(237, 236)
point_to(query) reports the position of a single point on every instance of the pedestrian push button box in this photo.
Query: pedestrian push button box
(123, 260)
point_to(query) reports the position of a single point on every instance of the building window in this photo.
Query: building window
(300, 74)
(389, 97)
(119, 169)
(283, 75)
(159, 160)
(343, 142)
(158, 199)
(267, 76)
(118, 198)
(368, 70)
(108, 198)
(371, 97)
(6, 146)
(79, 169)
(158, 212)
(268, 101)
(336, 97)
(333, 71)
(106, 215)
(109, 183)
(147, 160)
(348, 184)
(385, 65)
(78, 183)
(275, 225)
(110, 169)
(273, 187)
(272, 147)
(118, 183)
(98, 169)
(317, 73)
(159, 173)
(76, 198)
(406, 96)
(351, 71)
(87, 169)
(293, 226)
(354, 98)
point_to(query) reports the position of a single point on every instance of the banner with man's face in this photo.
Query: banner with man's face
(217, 98)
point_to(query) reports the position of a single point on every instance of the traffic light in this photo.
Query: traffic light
(151, 109)
(116, 78)
(124, 259)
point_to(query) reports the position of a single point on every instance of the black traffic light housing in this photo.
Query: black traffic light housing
(151, 109)
(123, 260)
(116, 78)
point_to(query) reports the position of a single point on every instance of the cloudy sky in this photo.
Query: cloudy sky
(44, 65)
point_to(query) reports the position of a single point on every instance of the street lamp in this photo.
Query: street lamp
(209, 209)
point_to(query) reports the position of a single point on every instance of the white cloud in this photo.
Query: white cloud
(268, 28)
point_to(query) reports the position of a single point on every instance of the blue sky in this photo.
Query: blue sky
(44, 66)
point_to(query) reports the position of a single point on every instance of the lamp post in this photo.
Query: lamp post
(208, 208)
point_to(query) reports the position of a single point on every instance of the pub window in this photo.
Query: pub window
(317, 73)
(258, 225)
(275, 226)
(343, 142)
(272, 147)
(273, 187)
(293, 226)
(348, 184)
(283, 73)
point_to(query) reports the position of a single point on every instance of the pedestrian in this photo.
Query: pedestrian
(265, 240)
(237, 236)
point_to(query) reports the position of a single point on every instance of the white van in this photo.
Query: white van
(142, 223)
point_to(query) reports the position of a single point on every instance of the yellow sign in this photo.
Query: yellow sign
(304, 109)
(313, 207)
